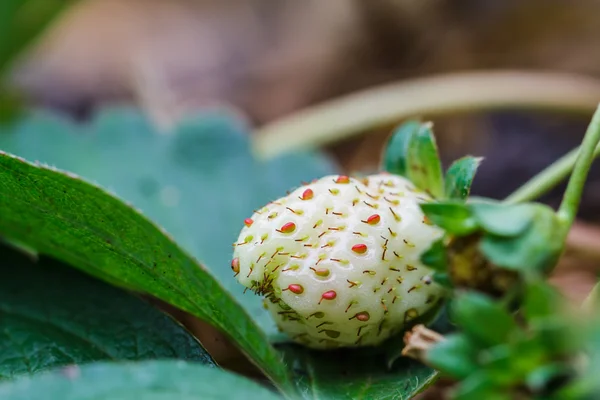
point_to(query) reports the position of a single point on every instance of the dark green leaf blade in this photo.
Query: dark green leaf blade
(356, 374)
(157, 380)
(482, 319)
(21, 21)
(459, 177)
(395, 153)
(52, 315)
(424, 166)
(65, 217)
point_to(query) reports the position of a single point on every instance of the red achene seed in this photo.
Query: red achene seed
(235, 265)
(342, 179)
(373, 219)
(288, 227)
(359, 248)
(308, 194)
(295, 288)
(363, 316)
(330, 295)
(248, 222)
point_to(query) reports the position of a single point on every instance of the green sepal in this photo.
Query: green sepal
(541, 301)
(395, 152)
(502, 219)
(453, 217)
(443, 279)
(459, 177)
(479, 386)
(535, 251)
(482, 319)
(424, 167)
(455, 356)
(436, 257)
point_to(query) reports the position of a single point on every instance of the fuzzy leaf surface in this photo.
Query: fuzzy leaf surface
(149, 380)
(52, 315)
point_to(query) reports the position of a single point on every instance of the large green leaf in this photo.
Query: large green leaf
(63, 216)
(21, 21)
(360, 374)
(52, 315)
(150, 380)
(199, 183)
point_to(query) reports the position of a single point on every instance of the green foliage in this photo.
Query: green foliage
(356, 374)
(495, 357)
(64, 216)
(395, 153)
(21, 21)
(412, 152)
(424, 166)
(151, 380)
(459, 177)
(52, 315)
(208, 163)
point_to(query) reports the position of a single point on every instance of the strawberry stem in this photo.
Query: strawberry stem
(549, 177)
(572, 197)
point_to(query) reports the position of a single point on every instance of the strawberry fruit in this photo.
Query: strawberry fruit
(338, 260)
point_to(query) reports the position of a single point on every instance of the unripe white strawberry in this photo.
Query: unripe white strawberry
(339, 260)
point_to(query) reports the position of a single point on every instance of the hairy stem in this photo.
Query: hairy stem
(570, 203)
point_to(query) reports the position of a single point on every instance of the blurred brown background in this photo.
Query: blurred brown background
(269, 58)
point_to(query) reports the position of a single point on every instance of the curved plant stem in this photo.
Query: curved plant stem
(440, 95)
(570, 203)
(548, 178)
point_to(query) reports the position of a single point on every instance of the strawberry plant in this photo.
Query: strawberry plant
(402, 248)
(346, 287)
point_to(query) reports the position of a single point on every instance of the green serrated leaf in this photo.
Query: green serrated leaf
(503, 219)
(435, 257)
(455, 356)
(459, 177)
(533, 252)
(65, 217)
(455, 218)
(395, 153)
(150, 380)
(482, 319)
(52, 315)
